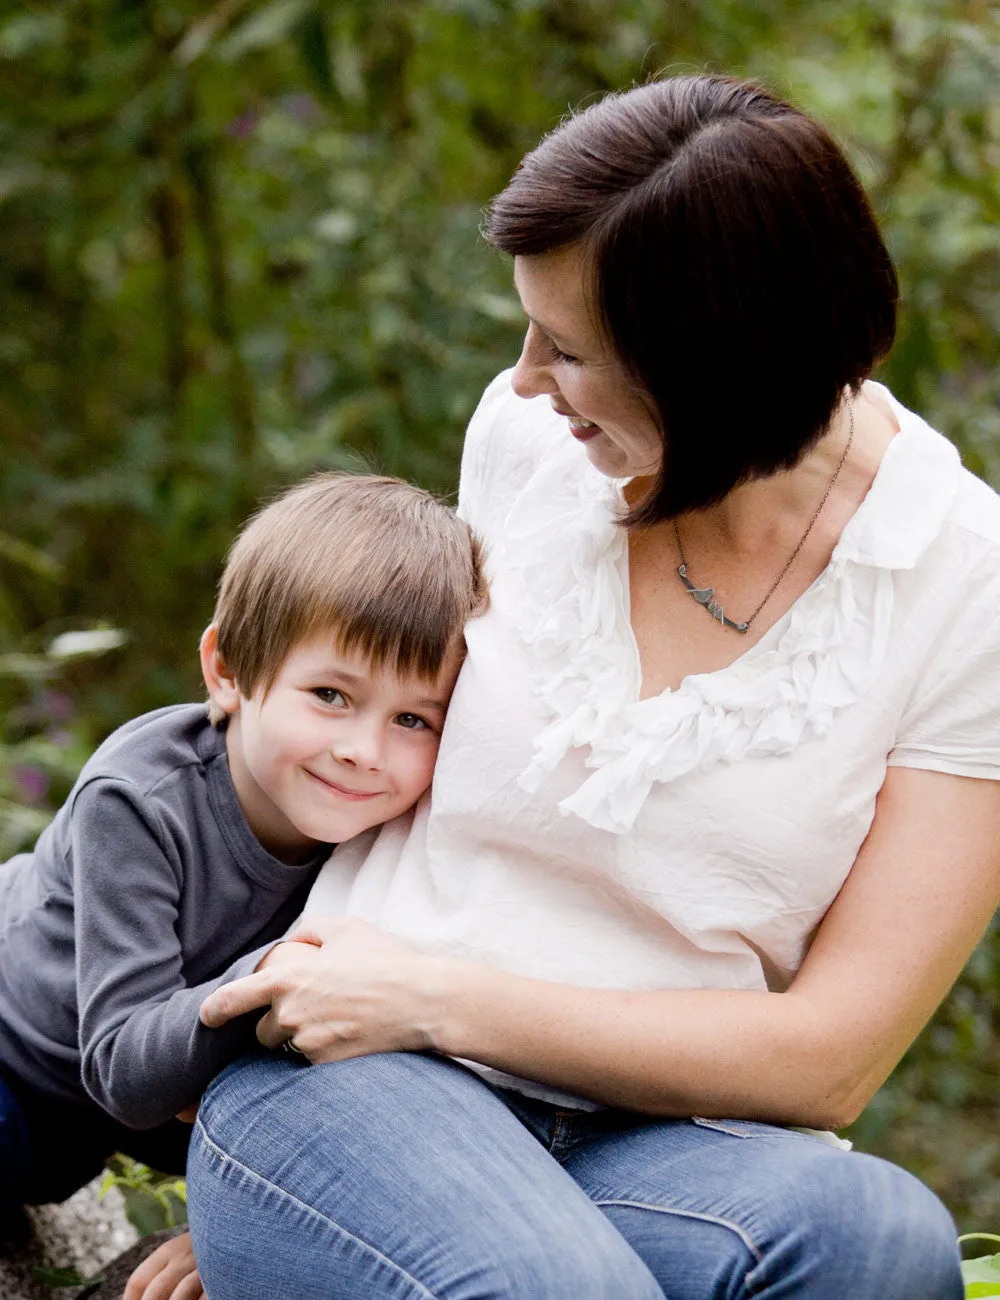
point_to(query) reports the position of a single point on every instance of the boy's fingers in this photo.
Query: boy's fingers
(189, 1289)
(141, 1277)
(170, 1284)
(159, 1274)
(236, 999)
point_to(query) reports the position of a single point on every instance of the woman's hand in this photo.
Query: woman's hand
(337, 988)
(169, 1273)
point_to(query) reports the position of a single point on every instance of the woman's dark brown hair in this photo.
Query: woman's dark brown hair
(738, 269)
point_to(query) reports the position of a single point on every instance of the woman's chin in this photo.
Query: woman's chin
(612, 462)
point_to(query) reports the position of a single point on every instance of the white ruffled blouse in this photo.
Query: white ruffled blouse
(696, 838)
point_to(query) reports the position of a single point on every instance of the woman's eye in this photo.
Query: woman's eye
(411, 721)
(559, 355)
(328, 695)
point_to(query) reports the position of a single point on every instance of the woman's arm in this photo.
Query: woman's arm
(921, 892)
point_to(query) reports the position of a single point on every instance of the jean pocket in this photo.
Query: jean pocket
(741, 1128)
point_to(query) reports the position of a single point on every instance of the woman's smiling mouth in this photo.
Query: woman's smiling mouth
(581, 429)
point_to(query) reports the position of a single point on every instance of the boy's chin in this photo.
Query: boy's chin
(338, 830)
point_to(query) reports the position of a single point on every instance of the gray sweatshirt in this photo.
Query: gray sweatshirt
(146, 892)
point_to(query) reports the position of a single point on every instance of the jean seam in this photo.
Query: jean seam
(743, 1235)
(560, 1148)
(225, 1157)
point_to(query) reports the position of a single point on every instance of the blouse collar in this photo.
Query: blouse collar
(821, 656)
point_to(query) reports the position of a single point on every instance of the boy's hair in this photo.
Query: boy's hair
(384, 566)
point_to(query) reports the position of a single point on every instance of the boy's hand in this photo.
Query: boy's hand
(170, 1273)
(339, 988)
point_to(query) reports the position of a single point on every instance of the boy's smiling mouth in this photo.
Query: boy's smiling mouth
(344, 791)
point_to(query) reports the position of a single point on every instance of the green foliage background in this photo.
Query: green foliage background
(239, 241)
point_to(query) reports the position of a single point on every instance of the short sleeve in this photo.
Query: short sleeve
(952, 721)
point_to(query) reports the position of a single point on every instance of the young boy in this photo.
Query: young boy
(190, 841)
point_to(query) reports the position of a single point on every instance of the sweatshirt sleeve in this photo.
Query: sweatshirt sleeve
(144, 1053)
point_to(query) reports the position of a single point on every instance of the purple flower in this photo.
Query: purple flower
(57, 706)
(32, 782)
(242, 127)
(301, 106)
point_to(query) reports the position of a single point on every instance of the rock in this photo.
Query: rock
(84, 1233)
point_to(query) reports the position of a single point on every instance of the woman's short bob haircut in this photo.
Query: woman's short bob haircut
(739, 273)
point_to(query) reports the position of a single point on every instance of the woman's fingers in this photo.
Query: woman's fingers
(169, 1273)
(283, 965)
(339, 987)
(269, 1032)
(318, 929)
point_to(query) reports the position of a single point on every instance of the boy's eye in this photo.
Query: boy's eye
(328, 695)
(411, 721)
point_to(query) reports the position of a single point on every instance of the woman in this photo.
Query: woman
(714, 825)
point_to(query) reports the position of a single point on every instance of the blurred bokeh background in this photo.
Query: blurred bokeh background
(239, 241)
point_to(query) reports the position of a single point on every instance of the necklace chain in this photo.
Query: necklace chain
(705, 596)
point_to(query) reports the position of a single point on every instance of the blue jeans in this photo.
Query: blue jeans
(406, 1177)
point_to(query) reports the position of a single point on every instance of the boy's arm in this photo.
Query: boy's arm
(144, 1053)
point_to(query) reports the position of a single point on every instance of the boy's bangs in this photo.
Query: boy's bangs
(409, 633)
(379, 565)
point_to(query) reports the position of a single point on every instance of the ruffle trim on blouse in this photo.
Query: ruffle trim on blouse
(561, 537)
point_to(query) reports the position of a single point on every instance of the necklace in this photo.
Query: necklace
(705, 596)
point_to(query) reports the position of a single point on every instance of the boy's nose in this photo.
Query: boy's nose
(361, 747)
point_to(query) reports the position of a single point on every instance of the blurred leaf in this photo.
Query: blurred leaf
(266, 27)
(57, 1277)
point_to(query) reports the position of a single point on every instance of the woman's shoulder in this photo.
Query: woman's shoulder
(507, 439)
(976, 511)
(925, 506)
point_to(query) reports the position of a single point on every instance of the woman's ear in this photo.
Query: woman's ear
(219, 681)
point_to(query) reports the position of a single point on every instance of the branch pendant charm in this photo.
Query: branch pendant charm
(705, 596)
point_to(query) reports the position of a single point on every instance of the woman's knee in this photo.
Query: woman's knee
(862, 1227)
(254, 1241)
(745, 1209)
(393, 1177)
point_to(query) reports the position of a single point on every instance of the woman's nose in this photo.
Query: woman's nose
(532, 375)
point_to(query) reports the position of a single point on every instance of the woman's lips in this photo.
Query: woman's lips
(581, 429)
(343, 790)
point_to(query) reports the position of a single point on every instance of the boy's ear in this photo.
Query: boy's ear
(219, 681)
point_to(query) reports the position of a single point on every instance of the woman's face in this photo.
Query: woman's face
(566, 357)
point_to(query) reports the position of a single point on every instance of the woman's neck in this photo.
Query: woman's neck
(768, 516)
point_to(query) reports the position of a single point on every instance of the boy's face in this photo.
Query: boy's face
(334, 747)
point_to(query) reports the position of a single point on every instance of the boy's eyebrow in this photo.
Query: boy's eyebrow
(346, 674)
